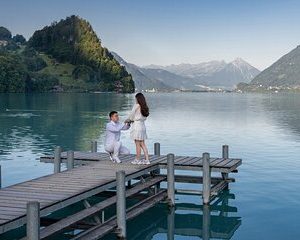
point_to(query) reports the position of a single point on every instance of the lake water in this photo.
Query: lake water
(263, 130)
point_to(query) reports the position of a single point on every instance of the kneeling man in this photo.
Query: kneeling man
(113, 144)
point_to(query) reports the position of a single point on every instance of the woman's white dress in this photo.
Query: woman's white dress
(138, 128)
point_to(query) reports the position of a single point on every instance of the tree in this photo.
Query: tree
(12, 74)
(5, 34)
(73, 40)
(19, 39)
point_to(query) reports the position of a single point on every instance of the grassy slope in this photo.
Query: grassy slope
(62, 71)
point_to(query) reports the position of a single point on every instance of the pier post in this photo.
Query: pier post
(156, 172)
(171, 179)
(57, 159)
(121, 205)
(157, 149)
(171, 224)
(206, 222)
(33, 221)
(225, 154)
(225, 151)
(0, 177)
(70, 160)
(94, 146)
(206, 178)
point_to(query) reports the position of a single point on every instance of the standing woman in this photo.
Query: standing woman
(138, 116)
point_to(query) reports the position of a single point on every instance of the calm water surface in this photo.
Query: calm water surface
(264, 130)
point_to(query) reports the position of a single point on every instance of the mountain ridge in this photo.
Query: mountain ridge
(283, 74)
(142, 81)
(216, 73)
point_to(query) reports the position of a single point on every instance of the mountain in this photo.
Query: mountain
(191, 70)
(158, 79)
(141, 80)
(217, 74)
(283, 74)
(171, 79)
(65, 56)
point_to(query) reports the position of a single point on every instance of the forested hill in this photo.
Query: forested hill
(69, 57)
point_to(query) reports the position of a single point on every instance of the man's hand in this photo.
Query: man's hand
(128, 121)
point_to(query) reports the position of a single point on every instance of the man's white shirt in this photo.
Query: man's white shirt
(113, 132)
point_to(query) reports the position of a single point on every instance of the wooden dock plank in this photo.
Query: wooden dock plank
(62, 189)
(191, 160)
(196, 162)
(216, 162)
(59, 190)
(68, 221)
(179, 160)
(223, 163)
(41, 195)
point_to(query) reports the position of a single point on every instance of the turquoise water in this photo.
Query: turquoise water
(264, 130)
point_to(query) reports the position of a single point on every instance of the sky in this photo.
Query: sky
(167, 32)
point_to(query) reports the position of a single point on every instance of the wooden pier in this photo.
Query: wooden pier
(94, 173)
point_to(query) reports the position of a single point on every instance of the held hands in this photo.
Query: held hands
(128, 121)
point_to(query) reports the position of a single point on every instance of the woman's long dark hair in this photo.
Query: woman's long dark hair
(142, 102)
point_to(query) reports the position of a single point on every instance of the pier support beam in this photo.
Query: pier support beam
(157, 149)
(121, 205)
(206, 222)
(57, 159)
(70, 160)
(225, 154)
(94, 146)
(0, 177)
(156, 172)
(171, 224)
(96, 217)
(33, 221)
(171, 179)
(206, 179)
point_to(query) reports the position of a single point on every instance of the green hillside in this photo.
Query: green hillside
(65, 56)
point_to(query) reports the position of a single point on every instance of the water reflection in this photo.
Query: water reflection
(187, 221)
(70, 120)
(32, 125)
(284, 108)
(264, 130)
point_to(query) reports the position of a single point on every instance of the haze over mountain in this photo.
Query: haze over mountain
(216, 74)
(141, 80)
(158, 79)
(196, 77)
(283, 74)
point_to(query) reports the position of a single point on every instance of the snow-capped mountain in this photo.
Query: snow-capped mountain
(192, 70)
(206, 75)
(214, 73)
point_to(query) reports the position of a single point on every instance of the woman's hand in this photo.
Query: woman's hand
(128, 121)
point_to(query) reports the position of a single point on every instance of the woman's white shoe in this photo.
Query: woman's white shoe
(135, 161)
(140, 162)
(146, 162)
